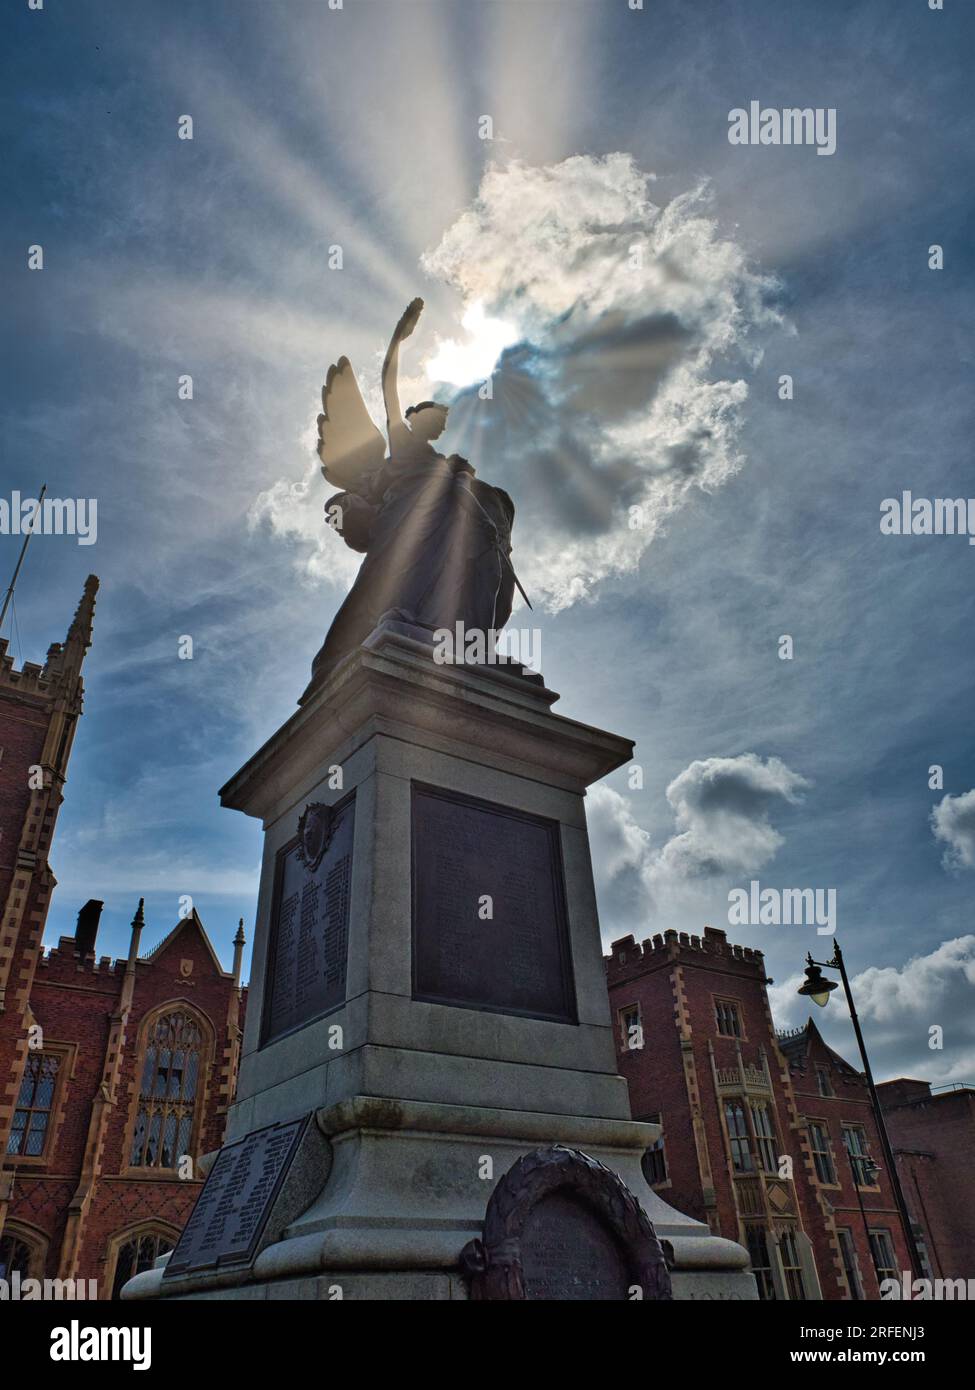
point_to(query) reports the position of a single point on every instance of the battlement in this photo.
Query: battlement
(628, 957)
(30, 679)
(64, 961)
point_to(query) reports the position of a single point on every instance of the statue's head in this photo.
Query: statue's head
(428, 420)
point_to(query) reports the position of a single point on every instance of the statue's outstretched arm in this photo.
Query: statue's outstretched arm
(352, 516)
(394, 416)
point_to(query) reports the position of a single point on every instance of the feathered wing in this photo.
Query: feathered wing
(349, 444)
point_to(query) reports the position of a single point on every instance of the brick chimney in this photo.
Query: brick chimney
(87, 928)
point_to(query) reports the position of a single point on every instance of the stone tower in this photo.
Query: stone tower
(39, 711)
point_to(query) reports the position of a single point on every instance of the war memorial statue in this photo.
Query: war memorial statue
(437, 539)
(429, 1104)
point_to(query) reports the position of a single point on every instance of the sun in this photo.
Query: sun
(464, 363)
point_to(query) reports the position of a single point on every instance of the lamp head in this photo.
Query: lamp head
(815, 986)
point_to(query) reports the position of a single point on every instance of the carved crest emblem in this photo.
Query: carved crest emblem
(316, 826)
(186, 967)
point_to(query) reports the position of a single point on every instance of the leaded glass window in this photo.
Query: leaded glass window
(15, 1254)
(168, 1093)
(882, 1249)
(137, 1255)
(757, 1241)
(791, 1264)
(727, 1018)
(764, 1137)
(855, 1139)
(822, 1157)
(28, 1133)
(850, 1264)
(741, 1158)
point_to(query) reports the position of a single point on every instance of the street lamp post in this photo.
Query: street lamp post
(873, 1169)
(818, 989)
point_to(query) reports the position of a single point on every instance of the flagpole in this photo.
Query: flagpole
(23, 551)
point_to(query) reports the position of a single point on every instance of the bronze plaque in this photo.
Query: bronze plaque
(568, 1253)
(231, 1212)
(489, 919)
(308, 948)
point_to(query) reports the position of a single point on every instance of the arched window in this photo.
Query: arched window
(741, 1158)
(35, 1102)
(20, 1252)
(173, 1076)
(139, 1253)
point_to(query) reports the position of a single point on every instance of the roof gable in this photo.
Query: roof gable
(800, 1047)
(189, 924)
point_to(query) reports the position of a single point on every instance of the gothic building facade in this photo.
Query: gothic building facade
(115, 1076)
(768, 1139)
(129, 1069)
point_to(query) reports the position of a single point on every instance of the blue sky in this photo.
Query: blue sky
(654, 385)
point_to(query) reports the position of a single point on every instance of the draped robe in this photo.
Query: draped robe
(434, 538)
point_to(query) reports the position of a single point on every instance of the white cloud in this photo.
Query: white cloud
(157, 873)
(295, 508)
(899, 1006)
(609, 406)
(788, 1009)
(721, 811)
(608, 402)
(923, 986)
(721, 808)
(953, 821)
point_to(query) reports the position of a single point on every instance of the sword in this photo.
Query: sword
(497, 542)
(511, 567)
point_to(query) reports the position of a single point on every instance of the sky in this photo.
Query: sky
(556, 181)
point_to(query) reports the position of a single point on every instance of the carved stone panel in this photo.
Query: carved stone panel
(560, 1226)
(489, 920)
(308, 946)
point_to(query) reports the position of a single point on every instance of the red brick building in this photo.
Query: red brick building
(932, 1133)
(127, 1081)
(115, 1076)
(847, 1158)
(750, 1143)
(39, 711)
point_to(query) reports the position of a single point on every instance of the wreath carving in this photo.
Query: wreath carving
(494, 1264)
(316, 826)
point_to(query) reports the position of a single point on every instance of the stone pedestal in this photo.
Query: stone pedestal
(440, 811)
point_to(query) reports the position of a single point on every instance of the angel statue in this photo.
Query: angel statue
(436, 539)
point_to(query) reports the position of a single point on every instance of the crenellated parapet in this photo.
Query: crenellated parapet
(628, 957)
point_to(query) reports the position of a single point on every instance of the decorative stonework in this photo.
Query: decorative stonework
(316, 826)
(561, 1225)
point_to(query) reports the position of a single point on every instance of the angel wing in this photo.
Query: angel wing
(349, 444)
